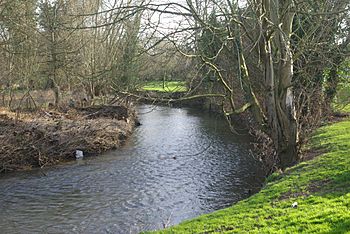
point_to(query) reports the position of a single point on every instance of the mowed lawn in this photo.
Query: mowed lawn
(321, 188)
(167, 86)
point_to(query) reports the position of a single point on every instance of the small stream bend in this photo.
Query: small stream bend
(179, 164)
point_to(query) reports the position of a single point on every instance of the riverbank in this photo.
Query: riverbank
(311, 197)
(47, 137)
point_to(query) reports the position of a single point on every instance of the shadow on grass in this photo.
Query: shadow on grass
(341, 226)
(339, 186)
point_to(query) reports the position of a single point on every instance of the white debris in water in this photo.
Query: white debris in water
(79, 154)
(295, 205)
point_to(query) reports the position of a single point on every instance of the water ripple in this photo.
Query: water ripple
(178, 164)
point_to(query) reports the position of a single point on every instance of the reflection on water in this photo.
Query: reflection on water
(179, 164)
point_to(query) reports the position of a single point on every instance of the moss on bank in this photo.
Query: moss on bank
(321, 187)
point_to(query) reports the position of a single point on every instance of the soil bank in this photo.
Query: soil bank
(47, 137)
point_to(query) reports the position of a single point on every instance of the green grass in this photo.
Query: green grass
(346, 108)
(320, 186)
(169, 86)
(342, 100)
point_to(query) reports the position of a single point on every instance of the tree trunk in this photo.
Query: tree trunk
(56, 90)
(278, 79)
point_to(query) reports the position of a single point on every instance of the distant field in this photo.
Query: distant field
(346, 108)
(342, 100)
(342, 107)
(168, 86)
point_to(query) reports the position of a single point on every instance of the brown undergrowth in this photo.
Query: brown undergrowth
(42, 138)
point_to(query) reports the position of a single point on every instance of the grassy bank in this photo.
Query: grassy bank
(167, 86)
(321, 187)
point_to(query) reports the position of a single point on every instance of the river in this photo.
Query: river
(180, 163)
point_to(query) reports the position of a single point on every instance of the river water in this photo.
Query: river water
(180, 163)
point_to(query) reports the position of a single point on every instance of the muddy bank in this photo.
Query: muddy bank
(48, 137)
